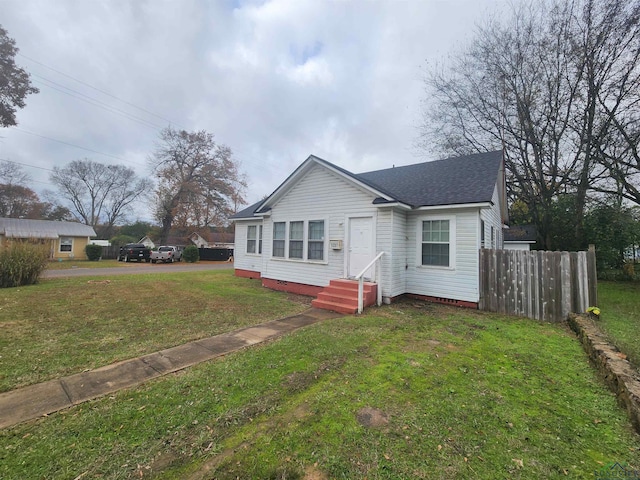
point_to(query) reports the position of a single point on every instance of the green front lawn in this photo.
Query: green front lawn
(409, 390)
(620, 317)
(66, 325)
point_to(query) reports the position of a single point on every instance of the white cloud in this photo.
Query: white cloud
(275, 80)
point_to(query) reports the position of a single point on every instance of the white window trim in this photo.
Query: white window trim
(305, 241)
(258, 240)
(452, 242)
(60, 245)
(285, 250)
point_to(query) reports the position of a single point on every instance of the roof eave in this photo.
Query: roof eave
(456, 206)
(305, 167)
(401, 205)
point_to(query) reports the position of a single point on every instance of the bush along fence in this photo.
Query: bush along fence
(538, 284)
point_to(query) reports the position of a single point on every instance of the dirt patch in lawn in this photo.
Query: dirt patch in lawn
(372, 417)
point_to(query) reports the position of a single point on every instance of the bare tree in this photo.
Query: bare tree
(17, 200)
(199, 181)
(98, 193)
(14, 81)
(537, 86)
(13, 174)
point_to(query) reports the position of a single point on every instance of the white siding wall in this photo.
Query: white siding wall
(492, 218)
(319, 195)
(460, 282)
(241, 259)
(392, 240)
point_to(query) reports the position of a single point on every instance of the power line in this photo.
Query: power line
(31, 180)
(77, 146)
(102, 91)
(25, 164)
(95, 102)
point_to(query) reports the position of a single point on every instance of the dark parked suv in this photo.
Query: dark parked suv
(134, 251)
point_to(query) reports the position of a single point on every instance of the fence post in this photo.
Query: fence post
(592, 276)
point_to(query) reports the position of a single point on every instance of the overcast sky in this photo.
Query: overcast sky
(276, 81)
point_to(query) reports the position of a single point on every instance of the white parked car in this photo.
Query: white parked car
(167, 254)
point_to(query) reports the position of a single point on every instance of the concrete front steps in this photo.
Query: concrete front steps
(342, 296)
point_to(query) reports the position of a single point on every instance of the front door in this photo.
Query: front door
(360, 246)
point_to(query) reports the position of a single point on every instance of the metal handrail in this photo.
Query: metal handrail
(360, 278)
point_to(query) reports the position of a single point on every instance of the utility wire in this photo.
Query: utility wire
(95, 102)
(25, 164)
(31, 180)
(77, 146)
(102, 91)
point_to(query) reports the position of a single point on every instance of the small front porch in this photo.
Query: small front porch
(341, 295)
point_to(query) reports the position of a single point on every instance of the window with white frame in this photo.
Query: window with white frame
(299, 240)
(296, 240)
(481, 233)
(279, 237)
(436, 237)
(66, 244)
(252, 238)
(315, 242)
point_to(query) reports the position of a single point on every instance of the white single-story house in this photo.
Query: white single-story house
(429, 220)
(521, 237)
(66, 240)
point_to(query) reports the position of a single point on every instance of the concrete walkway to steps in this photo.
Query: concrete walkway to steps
(34, 401)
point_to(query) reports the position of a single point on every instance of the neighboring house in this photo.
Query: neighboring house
(67, 240)
(102, 243)
(521, 237)
(198, 240)
(216, 240)
(147, 242)
(326, 223)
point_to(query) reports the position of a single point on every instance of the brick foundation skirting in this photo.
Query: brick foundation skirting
(618, 373)
(291, 287)
(247, 273)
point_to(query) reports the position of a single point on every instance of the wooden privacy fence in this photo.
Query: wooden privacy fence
(537, 284)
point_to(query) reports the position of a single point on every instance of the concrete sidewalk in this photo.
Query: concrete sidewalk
(34, 401)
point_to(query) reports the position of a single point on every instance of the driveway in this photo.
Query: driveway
(135, 268)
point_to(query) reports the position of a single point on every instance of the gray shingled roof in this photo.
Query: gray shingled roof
(24, 228)
(247, 212)
(452, 181)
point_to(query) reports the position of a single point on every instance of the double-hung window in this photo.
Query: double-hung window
(66, 244)
(436, 243)
(279, 237)
(299, 240)
(254, 239)
(315, 242)
(296, 240)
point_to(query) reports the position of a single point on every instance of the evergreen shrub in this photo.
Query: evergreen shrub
(191, 254)
(94, 252)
